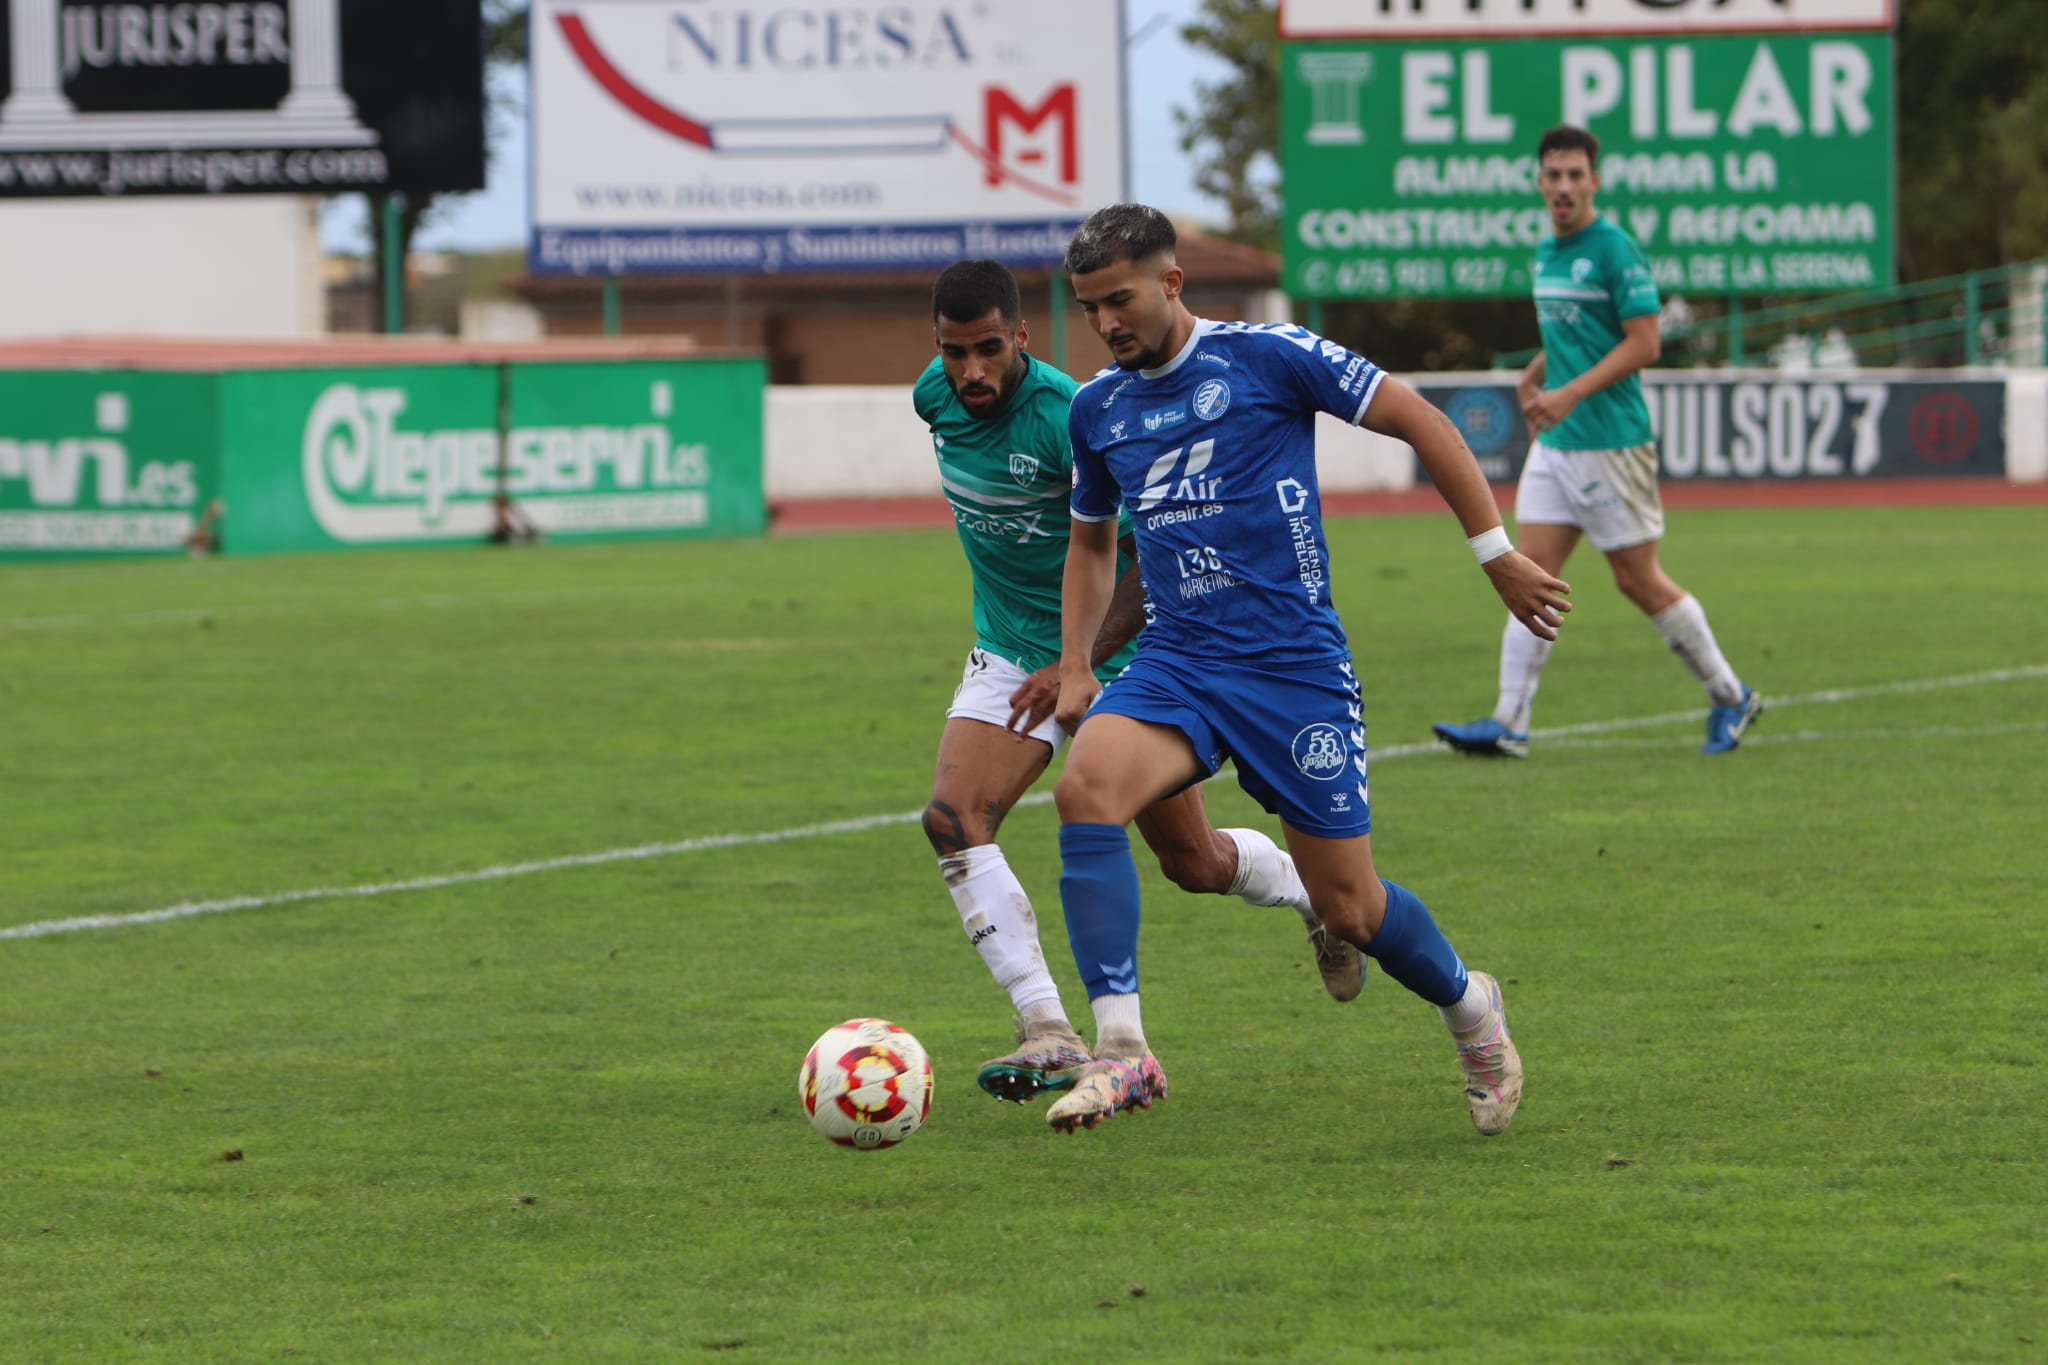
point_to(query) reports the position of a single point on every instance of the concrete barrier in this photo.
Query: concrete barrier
(2026, 426)
(828, 443)
(844, 441)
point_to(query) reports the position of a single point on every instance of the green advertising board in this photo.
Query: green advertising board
(103, 462)
(1743, 163)
(342, 457)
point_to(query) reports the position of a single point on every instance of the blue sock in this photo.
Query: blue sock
(1099, 891)
(1413, 951)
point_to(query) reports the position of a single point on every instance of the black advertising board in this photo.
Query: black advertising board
(1719, 427)
(240, 97)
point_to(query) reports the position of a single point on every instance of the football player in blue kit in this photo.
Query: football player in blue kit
(1204, 431)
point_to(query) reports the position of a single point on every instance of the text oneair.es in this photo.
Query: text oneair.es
(367, 478)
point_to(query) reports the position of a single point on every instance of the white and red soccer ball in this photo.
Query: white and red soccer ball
(866, 1083)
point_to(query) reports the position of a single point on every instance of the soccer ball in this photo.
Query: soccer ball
(866, 1083)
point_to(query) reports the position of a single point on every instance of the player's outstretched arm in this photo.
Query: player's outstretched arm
(1533, 596)
(1085, 595)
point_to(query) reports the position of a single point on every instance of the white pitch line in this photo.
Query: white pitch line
(1772, 703)
(1569, 736)
(1776, 738)
(45, 928)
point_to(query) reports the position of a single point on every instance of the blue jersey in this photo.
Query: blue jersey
(1214, 455)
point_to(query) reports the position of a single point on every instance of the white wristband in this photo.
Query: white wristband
(1489, 545)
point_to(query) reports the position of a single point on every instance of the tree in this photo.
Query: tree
(504, 44)
(1973, 136)
(1235, 126)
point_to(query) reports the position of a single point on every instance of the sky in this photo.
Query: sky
(1162, 72)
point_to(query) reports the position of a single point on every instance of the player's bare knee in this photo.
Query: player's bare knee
(1354, 914)
(1629, 582)
(1080, 797)
(1199, 869)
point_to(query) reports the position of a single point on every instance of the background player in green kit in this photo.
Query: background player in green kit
(1592, 467)
(998, 419)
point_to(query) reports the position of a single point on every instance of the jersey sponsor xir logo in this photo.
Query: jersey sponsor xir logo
(1190, 486)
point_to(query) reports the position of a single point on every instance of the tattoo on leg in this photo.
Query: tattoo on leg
(943, 828)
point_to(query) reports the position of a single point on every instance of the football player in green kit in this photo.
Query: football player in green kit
(1592, 466)
(998, 418)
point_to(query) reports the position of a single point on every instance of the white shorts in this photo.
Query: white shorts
(1611, 495)
(986, 686)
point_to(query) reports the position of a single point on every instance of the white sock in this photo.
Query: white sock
(1118, 1031)
(1267, 876)
(1470, 1011)
(1685, 628)
(1003, 928)
(1522, 656)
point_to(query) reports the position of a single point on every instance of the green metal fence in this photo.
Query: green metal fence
(1985, 317)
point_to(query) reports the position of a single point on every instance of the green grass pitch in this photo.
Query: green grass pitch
(518, 1083)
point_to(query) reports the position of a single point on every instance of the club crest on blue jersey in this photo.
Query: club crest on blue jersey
(1211, 399)
(1319, 752)
(1024, 469)
(1486, 418)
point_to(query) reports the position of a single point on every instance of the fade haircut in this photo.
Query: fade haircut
(1565, 138)
(1121, 232)
(968, 291)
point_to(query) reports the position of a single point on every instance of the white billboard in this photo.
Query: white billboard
(761, 136)
(1529, 18)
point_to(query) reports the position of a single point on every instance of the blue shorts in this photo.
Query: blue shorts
(1296, 734)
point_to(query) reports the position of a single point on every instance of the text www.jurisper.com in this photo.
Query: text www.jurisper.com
(192, 172)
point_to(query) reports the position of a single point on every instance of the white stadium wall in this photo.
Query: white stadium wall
(231, 266)
(2026, 426)
(830, 442)
(827, 441)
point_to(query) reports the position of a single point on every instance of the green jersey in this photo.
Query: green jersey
(1587, 285)
(1009, 477)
